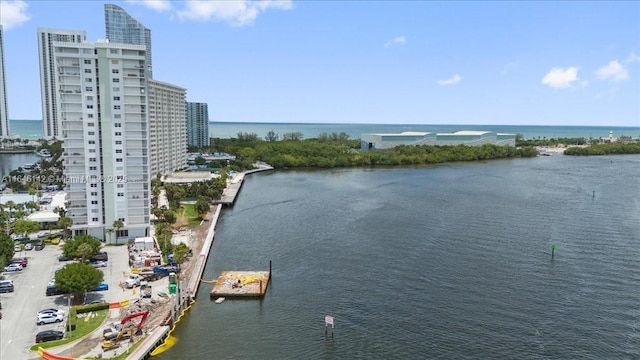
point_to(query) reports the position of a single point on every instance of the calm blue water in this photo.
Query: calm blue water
(444, 262)
(230, 130)
(26, 129)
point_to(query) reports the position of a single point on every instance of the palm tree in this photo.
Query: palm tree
(65, 223)
(118, 224)
(32, 192)
(60, 211)
(10, 205)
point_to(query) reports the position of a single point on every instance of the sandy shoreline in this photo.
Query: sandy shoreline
(551, 149)
(556, 149)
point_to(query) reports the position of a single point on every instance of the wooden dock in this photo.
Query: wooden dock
(235, 284)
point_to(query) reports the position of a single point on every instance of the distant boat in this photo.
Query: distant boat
(28, 167)
(546, 154)
(43, 153)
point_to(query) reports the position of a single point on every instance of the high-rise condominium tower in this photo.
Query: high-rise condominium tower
(167, 128)
(198, 124)
(123, 28)
(4, 115)
(102, 100)
(49, 77)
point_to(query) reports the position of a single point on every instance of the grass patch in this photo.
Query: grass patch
(188, 210)
(82, 328)
(187, 213)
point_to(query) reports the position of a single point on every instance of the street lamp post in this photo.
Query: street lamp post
(68, 326)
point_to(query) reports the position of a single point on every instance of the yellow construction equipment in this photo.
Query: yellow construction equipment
(126, 333)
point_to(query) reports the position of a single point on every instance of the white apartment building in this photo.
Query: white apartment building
(4, 115)
(102, 104)
(51, 123)
(167, 127)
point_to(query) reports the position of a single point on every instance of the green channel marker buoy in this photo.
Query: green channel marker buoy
(594, 194)
(553, 249)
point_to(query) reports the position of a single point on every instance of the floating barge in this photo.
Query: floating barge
(241, 284)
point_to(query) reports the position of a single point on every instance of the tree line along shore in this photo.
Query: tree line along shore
(337, 150)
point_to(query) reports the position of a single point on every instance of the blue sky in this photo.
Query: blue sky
(413, 62)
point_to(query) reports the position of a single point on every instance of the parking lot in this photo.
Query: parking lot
(18, 325)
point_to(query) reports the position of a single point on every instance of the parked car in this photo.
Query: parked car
(98, 264)
(53, 290)
(6, 286)
(52, 311)
(28, 247)
(39, 246)
(13, 267)
(20, 261)
(96, 301)
(103, 286)
(63, 258)
(49, 335)
(17, 248)
(49, 319)
(102, 256)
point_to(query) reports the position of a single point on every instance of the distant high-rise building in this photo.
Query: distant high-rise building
(103, 106)
(49, 76)
(4, 115)
(167, 127)
(198, 124)
(123, 28)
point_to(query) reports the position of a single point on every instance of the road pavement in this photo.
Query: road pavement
(18, 325)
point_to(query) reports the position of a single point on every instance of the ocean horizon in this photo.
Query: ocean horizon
(32, 129)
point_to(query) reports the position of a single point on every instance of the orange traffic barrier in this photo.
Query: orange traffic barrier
(48, 356)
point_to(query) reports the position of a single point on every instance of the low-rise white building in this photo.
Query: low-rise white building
(465, 137)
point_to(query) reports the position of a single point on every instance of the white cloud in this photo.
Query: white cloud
(561, 78)
(157, 5)
(238, 13)
(451, 81)
(13, 13)
(613, 71)
(632, 58)
(398, 40)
